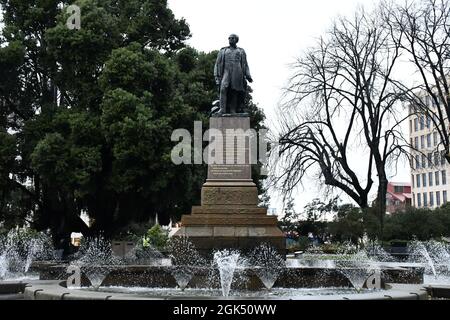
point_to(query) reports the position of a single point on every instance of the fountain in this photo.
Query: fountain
(259, 273)
(18, 250)
(96, 260)
(226, 261)
(357, 268)
(419, 250)
(436, 258)
(184, 257)
(144, 255)
(3, 265)
(378, 253)
(183, 272)
(268, 263)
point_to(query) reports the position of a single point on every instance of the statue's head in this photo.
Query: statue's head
(233, 39)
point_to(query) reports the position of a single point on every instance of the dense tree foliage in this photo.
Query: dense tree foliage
(312, 220)
(350, 223)
(86, 115)
(421, 224)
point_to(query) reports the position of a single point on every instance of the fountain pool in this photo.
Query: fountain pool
(230, 274)
(280, 293)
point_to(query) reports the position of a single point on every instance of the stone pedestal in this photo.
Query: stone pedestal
(229, 216)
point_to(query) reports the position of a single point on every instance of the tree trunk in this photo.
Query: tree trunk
(381, 198)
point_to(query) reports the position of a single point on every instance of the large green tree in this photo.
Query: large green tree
(86, 115)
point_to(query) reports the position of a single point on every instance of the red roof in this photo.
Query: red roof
(400, 196)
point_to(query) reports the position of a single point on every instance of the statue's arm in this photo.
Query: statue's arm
(218, 67)
(246, 68)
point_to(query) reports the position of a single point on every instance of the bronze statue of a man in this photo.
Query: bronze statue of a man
(231, 72)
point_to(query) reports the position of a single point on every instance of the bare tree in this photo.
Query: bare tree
(422, 28)
(341, 98)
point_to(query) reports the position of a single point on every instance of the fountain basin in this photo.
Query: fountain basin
(55, 290)
(12, 290)
(293, 277)
(439, 291)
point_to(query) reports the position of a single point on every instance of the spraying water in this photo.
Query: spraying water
(357, 268)
(269, 264)
(3, 265)
(96, 260)
(226, 261)
(185, 260)
(19, 248)
(436, 256)
(375, 251)
(419, 253)
(140, 255)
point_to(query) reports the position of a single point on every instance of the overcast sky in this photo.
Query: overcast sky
(273, 34)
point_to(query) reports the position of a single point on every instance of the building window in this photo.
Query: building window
(412, 180)
(436, 178)
(424, 180)
(428, 121)
(418, 181)
(422, 142)
(430, 179)
(417, 162)
(419, 200)
(443, 159)
(444, 197)
(416, 124)
(435, 138)
(424, 161)
(444, 177)
(438, 198)
(430, 159)
(422, 123)
(416, 143)
(398, 189)
(425, 200)
(436, 158)
(410, 126)
(431, 199)
(429, 140)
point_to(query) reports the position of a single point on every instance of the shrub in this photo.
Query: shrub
(303, 243)
(330, 248)
(156, 237)
(422, 224)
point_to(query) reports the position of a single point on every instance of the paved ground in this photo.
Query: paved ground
(12, 290)
(18, 296)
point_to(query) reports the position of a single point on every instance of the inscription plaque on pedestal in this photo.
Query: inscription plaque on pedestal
(235, 155)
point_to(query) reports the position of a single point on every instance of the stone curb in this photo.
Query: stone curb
(53, 290)
(438, 291)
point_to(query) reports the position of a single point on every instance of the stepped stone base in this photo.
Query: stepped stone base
(207, 239)
(230, 219)
(211, 228)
